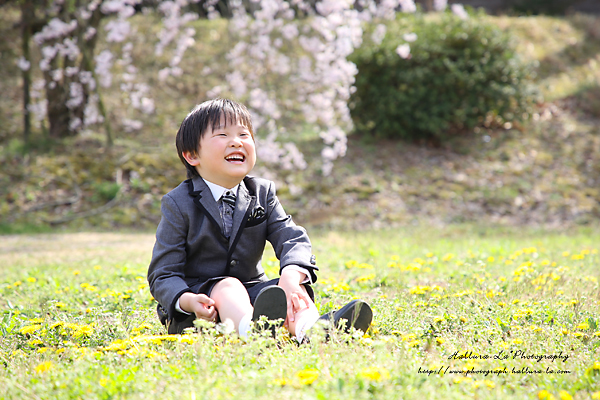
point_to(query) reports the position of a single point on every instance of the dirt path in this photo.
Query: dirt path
(70, 249)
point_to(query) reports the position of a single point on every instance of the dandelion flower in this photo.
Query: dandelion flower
(279, 382)
(489, 384)
(29, 329)
(43, 367)
(564, 395)
(307, 376)
(375, 374)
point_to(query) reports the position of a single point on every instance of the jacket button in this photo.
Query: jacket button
(233, 263)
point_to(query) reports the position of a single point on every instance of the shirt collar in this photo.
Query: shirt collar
(217, 191)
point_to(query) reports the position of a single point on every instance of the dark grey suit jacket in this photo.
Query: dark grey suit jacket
(191, 249)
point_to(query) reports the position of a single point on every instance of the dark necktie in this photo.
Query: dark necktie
(227, 208)
(229, 198)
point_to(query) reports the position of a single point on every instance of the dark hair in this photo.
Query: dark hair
(207, 114)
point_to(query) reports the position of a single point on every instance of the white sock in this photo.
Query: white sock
(305, 322)
(244, 326)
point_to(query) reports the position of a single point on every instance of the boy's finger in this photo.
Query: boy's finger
(290, 310)
(204, 299)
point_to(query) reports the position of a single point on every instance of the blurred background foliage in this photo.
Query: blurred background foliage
(492, 120)
(460, 74)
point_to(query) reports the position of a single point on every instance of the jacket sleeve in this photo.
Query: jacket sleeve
(290, 241)
(166, 270)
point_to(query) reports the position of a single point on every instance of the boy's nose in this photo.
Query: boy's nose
(236, 142)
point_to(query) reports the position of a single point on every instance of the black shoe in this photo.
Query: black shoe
(271, 302)
(179, 323)
(356, 314)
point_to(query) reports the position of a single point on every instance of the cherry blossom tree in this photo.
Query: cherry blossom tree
(304, 43)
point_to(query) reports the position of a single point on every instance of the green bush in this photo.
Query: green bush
(461, 73)
(546, 7)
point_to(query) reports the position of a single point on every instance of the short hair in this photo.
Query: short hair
(196, 123)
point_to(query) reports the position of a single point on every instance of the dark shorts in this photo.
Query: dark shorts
(180, 321)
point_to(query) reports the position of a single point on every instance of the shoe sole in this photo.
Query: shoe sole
(357, 314)
(272, 303)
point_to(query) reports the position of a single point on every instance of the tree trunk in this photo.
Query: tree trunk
(27, 16)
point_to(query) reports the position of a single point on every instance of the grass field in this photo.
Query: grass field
(460, 312)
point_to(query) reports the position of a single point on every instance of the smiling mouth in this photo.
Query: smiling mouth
(236, 158)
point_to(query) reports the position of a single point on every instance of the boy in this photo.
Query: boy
(213, 230)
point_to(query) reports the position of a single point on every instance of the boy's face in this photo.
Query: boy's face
(227, 154)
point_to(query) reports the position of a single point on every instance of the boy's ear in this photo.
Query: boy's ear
(192, 159)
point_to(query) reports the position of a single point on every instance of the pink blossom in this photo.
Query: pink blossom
(403, 50)
(410, 37)
(76, 95)
(104, 62)
(23, 64)
(459, 10)
(117, 30)
(408, 6)
(378, 34)
(131, 125)
(440, 5)
(54, 29)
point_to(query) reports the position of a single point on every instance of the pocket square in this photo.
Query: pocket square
(257, 213)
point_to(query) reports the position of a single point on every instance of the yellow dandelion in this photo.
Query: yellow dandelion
(489, 384)
(375, 374)
(440, 340)
(76, 272)
(564, 395)
(596, 396)
(583, 326)
(60, 304)
(31, 279)
(29, 329)
(43, 367)
(307, 376)
(365, 278)
(279, 382)
(448, 257)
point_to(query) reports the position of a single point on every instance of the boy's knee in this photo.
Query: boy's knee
(230, 283)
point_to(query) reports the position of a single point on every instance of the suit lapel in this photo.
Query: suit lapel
(243, 203)
(204, 200)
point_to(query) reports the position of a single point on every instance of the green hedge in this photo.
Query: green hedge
(461, 73)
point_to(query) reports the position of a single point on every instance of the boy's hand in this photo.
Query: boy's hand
(297, 298)
(199, 304)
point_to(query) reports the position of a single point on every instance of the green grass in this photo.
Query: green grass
(78, 321)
